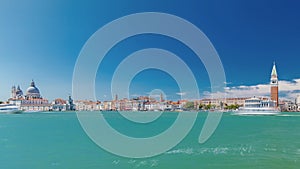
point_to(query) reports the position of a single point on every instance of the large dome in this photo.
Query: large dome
(32, 91)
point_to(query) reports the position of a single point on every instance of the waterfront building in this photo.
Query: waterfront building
(298, 100)
(59, 105)
(298, 103)
(274, 85)
(220, 103)
(31, 101)
(63, 105)
(88, 105)
(290, 106)
(107, 105)
(235, 101)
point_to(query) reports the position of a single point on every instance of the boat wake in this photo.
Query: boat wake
(255, 114)
(288, 115)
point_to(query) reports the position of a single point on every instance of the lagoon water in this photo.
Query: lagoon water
(57, 141)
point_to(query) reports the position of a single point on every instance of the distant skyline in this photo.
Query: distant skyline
(41, 40)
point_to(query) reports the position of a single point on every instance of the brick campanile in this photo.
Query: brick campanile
(274, 85)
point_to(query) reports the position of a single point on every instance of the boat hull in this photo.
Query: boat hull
(258, 111)
(9, 109)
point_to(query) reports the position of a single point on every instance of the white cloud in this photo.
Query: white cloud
(135, 95)
(226, 83)
(287, 90)
(181, 93)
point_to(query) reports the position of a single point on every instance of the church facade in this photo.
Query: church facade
(31, 101)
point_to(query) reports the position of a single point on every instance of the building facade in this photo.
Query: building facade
(31, 101)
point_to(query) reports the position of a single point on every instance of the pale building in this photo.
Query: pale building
(221, 102)
(87, 105)
(59, 105)
(298, 100)
(298, 103)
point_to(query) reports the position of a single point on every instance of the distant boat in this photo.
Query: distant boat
(9, 109)
(256, 106)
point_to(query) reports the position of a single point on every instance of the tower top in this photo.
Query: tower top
(274, 72)
(32, 83)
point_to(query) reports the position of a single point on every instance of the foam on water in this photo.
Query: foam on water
(242, 150)
(215, 151)
(181, 151)
(288, 115)
(135, 163)
(146, 163)
(116, 162)
(270, 149)
(131, 161)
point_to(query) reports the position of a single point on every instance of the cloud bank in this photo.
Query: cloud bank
(288, 90)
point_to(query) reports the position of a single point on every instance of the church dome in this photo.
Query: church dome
(19, 92)
(32, 91)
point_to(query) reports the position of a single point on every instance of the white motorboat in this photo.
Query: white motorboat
(9, 109)
(256, 106)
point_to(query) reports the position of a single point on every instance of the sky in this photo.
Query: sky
(41, 40)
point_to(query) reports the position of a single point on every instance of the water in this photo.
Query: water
(57, 141)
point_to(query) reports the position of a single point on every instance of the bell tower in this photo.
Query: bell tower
(274, 85)
(13, 92)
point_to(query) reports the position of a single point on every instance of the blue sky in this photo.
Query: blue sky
(41, 40)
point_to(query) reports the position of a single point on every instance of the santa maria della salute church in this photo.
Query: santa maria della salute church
(31, 101)
(31, 93)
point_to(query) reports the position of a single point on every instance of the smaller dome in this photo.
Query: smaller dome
(19, 92)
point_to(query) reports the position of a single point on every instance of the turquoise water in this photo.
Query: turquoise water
(57, 141)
